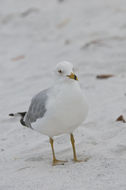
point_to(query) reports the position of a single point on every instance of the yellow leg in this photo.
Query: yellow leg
(73, 146)
(74, 150)
(55, 161)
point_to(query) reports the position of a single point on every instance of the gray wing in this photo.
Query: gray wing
(37, 108)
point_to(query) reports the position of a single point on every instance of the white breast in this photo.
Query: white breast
(66, 110)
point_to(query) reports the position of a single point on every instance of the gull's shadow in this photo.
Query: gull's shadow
(36, 158)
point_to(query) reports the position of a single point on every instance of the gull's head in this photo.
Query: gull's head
(65, 70)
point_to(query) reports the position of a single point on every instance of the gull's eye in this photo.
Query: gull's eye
(59, 71)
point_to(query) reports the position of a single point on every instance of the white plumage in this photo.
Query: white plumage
(66, 109)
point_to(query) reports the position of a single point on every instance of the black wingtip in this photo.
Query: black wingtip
(22, 114)
(11, 114)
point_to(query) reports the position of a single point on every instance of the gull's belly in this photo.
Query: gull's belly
(72, 112)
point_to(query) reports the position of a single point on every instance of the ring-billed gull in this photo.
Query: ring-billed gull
(59, 109)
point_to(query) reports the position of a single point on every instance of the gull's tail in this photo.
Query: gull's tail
(21, 114)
